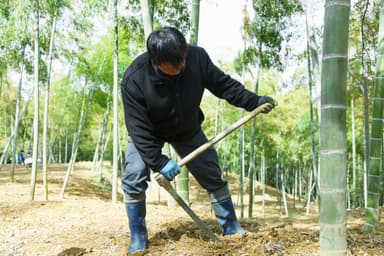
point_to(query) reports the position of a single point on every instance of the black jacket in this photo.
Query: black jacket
(160, 108)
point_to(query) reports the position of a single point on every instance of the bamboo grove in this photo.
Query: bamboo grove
(61, 62)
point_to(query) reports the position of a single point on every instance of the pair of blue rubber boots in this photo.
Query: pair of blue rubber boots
(221, 204)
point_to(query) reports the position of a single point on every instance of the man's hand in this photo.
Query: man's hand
(170, 170)
(268, 107)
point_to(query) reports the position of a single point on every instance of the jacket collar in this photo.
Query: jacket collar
(159, 78)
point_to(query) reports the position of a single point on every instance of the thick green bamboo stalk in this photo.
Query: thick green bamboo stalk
(195, 22)
(376, 139)
(333, 146)
(312, 66)
(183, 178)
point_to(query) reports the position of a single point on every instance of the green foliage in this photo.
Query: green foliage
(65, 106)
(7, 106)
(362, 60)
(266, 32)
(96, 62)
(165, 13)
(15, 33)
(173, 13)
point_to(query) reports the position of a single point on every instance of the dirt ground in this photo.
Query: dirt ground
(86, 222)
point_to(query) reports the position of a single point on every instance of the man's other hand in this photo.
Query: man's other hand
(268, 107)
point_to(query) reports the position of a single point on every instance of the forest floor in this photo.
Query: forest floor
(86, 222)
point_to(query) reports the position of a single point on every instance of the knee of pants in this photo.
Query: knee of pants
(134, 198)
(134, 180)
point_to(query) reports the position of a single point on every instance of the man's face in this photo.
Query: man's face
(169, 69)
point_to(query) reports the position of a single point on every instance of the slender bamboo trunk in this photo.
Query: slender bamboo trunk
(147, 16)
(16, 127)
(365, 107)
(242, 170)
(115, 105)
(121, 158)
(300, 192)
(46, 103)
(309, 190)
(217, 117)
(59, 151)
(354, 189)
(101, 160)
(263, 179)
(5, 122)
(311, 99)
(223, 145)
(294, 188)
(36, 105)
(51, 154)
(97, 149)
(283, 193)
(348, 193)
(277, 177)
(252, 164)
(66, 146)
(103, 140)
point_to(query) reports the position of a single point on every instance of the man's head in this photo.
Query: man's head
(167, 49)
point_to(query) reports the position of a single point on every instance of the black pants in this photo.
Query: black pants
(205, 167)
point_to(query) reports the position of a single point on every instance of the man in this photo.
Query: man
(20, 157)
(162, 90)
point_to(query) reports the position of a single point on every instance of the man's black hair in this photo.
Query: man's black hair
(167, 45)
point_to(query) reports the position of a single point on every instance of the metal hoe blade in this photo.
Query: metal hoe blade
(167, 186)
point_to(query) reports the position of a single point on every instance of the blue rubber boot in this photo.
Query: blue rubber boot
(225, 213)
(139, 236)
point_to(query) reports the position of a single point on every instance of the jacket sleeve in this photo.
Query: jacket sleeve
(225, 87)
(140, 128)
